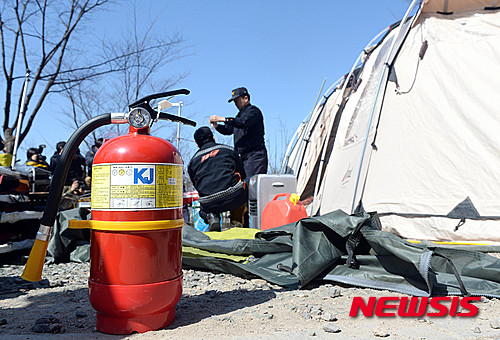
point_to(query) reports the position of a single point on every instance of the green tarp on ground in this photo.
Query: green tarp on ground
(316, 248)
(70, 244)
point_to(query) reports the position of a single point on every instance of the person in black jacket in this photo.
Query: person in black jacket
(34, 158)
(248, 130)
(217, 174)
(89, 156)
(75, 171)
(56, 157)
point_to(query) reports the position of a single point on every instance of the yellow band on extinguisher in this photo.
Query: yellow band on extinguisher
(126, 225)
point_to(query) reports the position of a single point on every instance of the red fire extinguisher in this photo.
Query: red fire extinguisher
(136, 246)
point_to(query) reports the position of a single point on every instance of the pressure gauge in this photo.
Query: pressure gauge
(139, 118)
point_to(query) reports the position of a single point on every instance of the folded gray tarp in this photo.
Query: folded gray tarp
(318, 250)
(70, 244)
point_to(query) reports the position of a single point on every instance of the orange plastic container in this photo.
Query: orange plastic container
(279, 212)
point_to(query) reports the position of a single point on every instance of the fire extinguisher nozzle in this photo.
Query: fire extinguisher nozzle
(34, 267)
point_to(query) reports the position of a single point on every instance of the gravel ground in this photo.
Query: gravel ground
(222, 306)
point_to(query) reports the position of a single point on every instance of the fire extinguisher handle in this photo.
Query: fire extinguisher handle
(168, 116)
(147, 99)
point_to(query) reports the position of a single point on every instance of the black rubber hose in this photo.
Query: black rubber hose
(62, 168)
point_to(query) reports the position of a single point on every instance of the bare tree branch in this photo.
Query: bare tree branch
(37, 35)
(127, 73)
(20, 20)
(28, 14)
(42, 10)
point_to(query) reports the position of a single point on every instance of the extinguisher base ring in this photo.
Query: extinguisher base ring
(125, 309)
(144, 323)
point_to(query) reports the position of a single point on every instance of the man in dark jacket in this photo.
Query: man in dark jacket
(56, 157)
(89, 156)
(248, 130)
(75, 171)
(217, 173)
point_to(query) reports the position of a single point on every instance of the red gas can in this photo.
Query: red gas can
(136, 242)
(279, 212)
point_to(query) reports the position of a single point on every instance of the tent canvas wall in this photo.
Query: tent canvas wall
(416, 134)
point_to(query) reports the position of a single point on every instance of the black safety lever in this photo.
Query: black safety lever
(144, 103)
(147, 99)
(173, 118)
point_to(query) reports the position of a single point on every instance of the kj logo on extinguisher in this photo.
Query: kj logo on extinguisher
(141, 176)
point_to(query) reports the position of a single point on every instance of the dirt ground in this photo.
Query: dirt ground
(222, 306)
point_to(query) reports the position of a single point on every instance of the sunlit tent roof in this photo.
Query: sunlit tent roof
(413, 130)
(458, 6)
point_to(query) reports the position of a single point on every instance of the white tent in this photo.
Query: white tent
(413, 132)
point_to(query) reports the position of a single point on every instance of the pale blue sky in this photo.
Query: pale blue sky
(280, 50)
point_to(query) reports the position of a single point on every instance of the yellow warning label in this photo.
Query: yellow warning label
(136, 186)
(100, 192)
(168, 186)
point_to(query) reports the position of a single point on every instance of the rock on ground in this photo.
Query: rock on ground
(222, 306)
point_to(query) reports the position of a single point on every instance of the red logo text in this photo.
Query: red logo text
(415, 306)
(208, 155)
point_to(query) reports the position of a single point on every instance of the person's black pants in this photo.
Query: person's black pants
(226, 203)
(255, 162)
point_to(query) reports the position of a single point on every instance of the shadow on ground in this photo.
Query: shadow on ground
(72, 309)
(212, 304)
(14, 286)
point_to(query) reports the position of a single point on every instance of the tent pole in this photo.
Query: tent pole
(301, 141)
(291, 145)
(312, 121)
(323, 151)
(386, 67)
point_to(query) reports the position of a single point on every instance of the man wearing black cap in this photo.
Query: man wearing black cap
(217, 173)
(248, 130)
